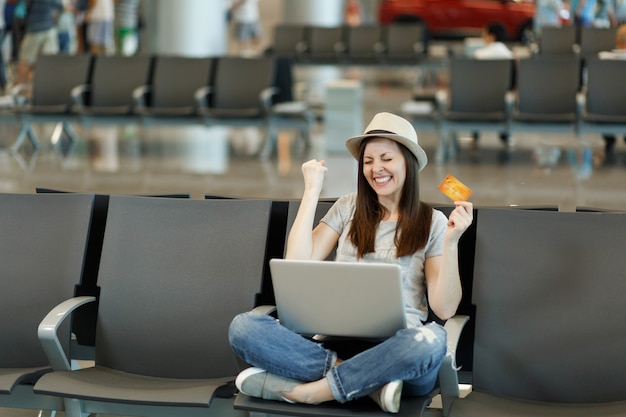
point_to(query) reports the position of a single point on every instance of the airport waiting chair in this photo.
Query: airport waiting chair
(173, 273)
(545, 98)
(275, 245)
(448, 377)
(364, 44)
(51, 98)
(83, 321)
(474, 101)
(467, 249)
(171, 94)
(290, 41)
(109, 94)
(594, 40)
(240, 94)
(602, 103)
(558, 40)
(588, 209)
(405, 42)
(242, 88)
(42, 252)
(322, 207)
(326, 44)
(287, 111)
(550, 335)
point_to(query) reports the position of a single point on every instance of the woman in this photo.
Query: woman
(383, 222)
(100, 26)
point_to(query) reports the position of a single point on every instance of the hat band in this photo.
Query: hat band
(379, 131)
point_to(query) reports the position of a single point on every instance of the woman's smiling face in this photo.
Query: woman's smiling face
(384, 167)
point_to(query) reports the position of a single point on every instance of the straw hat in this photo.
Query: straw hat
(390, 126)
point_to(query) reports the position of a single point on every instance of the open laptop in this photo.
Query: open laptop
(351, 299)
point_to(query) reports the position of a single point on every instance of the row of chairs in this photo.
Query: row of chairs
(584, 41)
(160, 89)
(372, 43)
(408, 43)
(543, 93)
(172, 272)
(170, 275)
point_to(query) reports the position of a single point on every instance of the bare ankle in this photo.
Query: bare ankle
(310, 393)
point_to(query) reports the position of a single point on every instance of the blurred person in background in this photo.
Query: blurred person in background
(126, 26)
(3, 32)
(353, 14)
(41, 36)
(604, 18)
(100, 17)
(246, 19)
(582, 12)
(66, 28)
(619, 9)
(15, 19)
(547, 13)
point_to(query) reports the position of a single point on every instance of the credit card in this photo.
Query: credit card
(454, 189)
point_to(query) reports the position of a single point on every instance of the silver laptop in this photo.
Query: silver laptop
(351, 299)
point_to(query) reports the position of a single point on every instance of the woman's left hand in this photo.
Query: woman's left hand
(460, 219)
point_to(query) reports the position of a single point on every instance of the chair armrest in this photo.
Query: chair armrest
(441, 98)
(201, 96)
(448, 377)
(509, 102)
(380, 48)
(139, 96)
(340, 48)
(581, 103)
(266, 97)
(302, 47)
(78, 95)
(289, 108)
(264, 310)
(300, 90)
(418, 48)
(454, 326)
(48, 327)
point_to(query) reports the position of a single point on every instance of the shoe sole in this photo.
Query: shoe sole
(245, 374)
(390, 396)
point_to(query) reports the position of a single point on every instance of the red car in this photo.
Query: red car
(461, 18)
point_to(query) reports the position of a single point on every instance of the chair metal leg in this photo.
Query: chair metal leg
(26, 132)
(74, 408)
(57, 134)
(442, 149)
(269, 147)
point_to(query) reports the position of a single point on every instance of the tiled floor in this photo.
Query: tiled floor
(540, 170)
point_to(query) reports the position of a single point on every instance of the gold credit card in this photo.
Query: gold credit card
(454, 189)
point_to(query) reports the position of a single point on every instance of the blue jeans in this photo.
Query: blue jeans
(412, 355)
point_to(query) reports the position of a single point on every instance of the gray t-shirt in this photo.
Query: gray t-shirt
(339, 218)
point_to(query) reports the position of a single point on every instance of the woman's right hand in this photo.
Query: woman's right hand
(314, 172)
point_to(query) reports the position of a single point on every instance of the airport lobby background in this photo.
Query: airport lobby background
(541, 169)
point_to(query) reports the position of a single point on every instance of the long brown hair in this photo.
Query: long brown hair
(414, 217)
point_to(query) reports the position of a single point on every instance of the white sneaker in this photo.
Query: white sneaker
(388, 396)
(257, 382)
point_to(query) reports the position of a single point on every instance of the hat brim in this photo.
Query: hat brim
(354, 143)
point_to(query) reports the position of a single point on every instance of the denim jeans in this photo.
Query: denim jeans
(413, 355)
